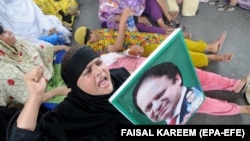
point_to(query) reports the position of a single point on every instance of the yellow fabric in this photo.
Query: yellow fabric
(171, 5)
(196, 50)
(52, 7)
(46, 7)
(190, 7)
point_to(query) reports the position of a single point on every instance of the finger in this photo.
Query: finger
(38, 73)
(149, 24)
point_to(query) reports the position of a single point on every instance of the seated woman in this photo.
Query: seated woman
(18, 56)
(107, 40)
(150, 15)
(92, 117)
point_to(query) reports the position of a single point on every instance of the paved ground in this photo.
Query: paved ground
(207, 25)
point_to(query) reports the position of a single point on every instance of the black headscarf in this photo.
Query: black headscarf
(76, 64)
(84, 116)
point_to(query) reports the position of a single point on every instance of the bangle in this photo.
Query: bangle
(50, 95)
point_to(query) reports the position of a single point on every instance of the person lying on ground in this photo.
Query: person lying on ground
(17, 57)
(107, 40)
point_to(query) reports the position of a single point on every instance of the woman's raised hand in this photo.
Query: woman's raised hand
(36, 82)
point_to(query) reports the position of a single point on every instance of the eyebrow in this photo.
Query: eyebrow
(89, 65)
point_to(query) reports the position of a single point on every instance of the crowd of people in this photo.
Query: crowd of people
(92, 74)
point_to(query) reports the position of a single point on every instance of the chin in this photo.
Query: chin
(107, 90)
(110, 89)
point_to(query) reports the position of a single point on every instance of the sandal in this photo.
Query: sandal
(246, 89)
(226, 7)
(214, 2)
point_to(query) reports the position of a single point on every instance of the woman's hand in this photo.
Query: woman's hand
(136, 50)
(144, 20)
(36, 85)
(36, 82)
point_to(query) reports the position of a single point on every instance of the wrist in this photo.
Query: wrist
(36, 99)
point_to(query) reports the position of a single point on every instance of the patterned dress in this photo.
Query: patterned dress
(149, 41)
(16, 61)
(108, 37)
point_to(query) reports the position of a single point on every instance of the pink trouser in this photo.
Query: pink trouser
(209, 81)
(212, 81)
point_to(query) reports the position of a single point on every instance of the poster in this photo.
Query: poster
(164, 90)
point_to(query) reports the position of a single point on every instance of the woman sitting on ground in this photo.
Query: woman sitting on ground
(149, 15)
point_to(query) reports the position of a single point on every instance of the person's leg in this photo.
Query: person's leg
(220, 57)
(152, 29)
(165, 10)
(202, 46)
(153, 10)
(198, 59)
(244, 109)
(216, 46)
(202, 59)
(212, 81)
(196, 46)
(218, 107)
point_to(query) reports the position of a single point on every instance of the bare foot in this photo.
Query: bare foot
(216, 46)
(220, 58)
(221, 40)
(245, 109)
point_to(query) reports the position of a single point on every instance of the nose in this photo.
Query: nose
(97, 70)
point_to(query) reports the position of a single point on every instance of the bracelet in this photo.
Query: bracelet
(50, 95)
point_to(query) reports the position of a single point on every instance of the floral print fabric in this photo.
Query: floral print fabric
(16, 61)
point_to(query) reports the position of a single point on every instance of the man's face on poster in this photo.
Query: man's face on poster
(158, 97)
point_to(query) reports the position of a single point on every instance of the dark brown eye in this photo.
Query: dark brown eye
(99, 62)
(149, 107)
(159, 95)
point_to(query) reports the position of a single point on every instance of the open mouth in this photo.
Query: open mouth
(103, 82)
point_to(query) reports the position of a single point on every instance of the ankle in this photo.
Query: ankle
(240, 87)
